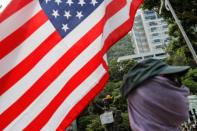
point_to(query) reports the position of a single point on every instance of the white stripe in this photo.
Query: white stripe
(43, 100)
(116, 20)
(26, 48)
(13, 22)
(74, 98)
(105, 58)
(4, 4)
(11, 95)
(107, 2)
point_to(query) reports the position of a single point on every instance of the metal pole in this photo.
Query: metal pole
(169, 8)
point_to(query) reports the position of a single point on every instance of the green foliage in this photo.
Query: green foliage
(190, 80)
(95, 125)
(125, 124)
(90, 123)
(187, 13)
(121, 48)
(178, 51)
(118, 69)
(89, 120)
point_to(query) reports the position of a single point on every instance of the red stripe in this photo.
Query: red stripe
(123, 29)
(13, 7)
(85, 101)
(12, 112)
(76, 110)
(39, 86)
(12, 40)
(133, 9)
(18, 36)
(42, 119)
(114, 7)
(73, 83)
(8, 80)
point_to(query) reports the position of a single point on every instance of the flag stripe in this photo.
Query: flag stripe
(42, 115)
(15, 39)
(111, 39)
(123, 29)
(18, 19)
(47, 62)
(39, 86)
(115, 21)
(82, 89)
(113, 7)
(24, 50)
(80, 76)
(26, 66)
(22, 90)
(76, 110)
(56, 74)
(34, 109)
(15, 108)
(13, 7)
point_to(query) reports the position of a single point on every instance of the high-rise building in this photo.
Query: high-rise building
(150, 36)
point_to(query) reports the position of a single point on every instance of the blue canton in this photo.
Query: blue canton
(65, 15)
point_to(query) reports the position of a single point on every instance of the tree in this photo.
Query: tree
(121, 48)
(190, 80)
(179, 54)
(187, 13)
(89, 119)
(118, 69)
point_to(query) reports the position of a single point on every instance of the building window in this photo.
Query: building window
(161, 54)
(152, 23)
(153, 29)
(165, 26)
(155, 34)
(159, 47)
(163, 21)
(166, 32)
(149, 12)
(149, 56)
(157, 40)
(167, 40)
(151, 17)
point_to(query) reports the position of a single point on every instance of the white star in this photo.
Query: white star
(94, 2)
(69, 2)
(55, 13)
(67, 14)
(47, 1)
(81, 2)
(79, 14)
(58, 2)
(65, 27)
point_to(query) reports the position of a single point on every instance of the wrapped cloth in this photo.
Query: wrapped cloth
(158, 105)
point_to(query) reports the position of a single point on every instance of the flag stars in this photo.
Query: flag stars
(47, 1)
(94, 2)
(81, 2)
(65, 27)
(67, 14)
(69, 2)
(55, 13)
(58, 2)
(79, 14)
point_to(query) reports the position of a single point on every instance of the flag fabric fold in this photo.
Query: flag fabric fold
(52, 58)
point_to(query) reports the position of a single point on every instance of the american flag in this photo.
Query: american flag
(53, 58)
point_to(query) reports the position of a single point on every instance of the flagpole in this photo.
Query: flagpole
(169, 8)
